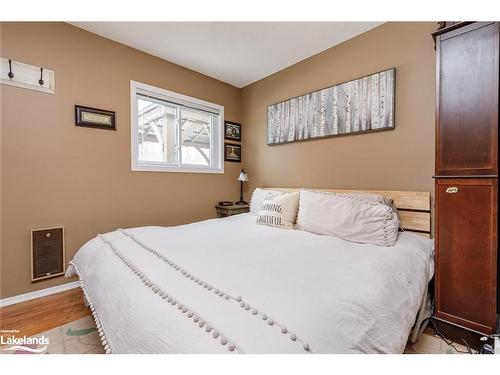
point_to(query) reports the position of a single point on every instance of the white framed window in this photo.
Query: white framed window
(172, 132)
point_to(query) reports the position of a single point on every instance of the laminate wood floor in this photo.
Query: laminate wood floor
(42, 314)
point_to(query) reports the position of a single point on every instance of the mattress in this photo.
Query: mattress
(233, 286)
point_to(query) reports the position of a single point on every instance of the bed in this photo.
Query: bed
(232, 286)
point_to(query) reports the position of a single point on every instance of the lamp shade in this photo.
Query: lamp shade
(243, 176)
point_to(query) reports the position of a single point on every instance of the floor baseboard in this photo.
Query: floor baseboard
(38, 293)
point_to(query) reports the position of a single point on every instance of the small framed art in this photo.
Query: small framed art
(232, 131)
(232, 152)
(94, 118)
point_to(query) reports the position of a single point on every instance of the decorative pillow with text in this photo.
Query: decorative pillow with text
(279, 211)
(259, 196)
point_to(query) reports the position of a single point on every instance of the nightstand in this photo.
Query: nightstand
(235, 209)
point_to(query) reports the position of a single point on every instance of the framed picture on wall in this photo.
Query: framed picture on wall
(363, 105)
(232, 152)
(94, 118)
(232, 131)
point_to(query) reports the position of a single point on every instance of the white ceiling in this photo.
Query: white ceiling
(238, 53)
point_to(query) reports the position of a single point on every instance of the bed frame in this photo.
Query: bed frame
(414, 211)
(414, 207)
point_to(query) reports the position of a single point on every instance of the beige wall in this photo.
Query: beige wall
(54, 173)
(402, 159)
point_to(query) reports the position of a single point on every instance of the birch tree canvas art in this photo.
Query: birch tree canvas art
(358, 106)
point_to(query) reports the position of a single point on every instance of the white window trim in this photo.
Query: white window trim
(217, 132)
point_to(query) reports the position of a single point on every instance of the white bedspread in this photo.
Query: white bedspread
(332, 296)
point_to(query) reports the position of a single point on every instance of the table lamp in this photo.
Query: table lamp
(242, 177)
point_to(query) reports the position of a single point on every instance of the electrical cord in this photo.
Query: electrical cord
(449, 342)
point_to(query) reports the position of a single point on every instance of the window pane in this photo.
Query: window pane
(157, 131)
(196, 132)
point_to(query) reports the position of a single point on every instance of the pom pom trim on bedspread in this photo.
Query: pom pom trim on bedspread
(217, 291)
(182, 308)
(100, 330)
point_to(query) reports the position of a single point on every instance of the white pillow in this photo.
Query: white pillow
(349, 218)
(370, 198)
(259, 196)
(280, 211)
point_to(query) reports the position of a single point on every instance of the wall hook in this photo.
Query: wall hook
(11, 75)
(40, 81)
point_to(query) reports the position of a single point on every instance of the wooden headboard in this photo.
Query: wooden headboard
(414, 207)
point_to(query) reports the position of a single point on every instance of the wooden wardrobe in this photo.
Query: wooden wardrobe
(466, 174)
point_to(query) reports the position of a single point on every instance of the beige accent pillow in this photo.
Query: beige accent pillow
(349, 218)
(259, 196)
(279, 211)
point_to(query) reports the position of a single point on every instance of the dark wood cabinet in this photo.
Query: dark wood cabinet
(466, 230)
(467, 105)
(466, 173)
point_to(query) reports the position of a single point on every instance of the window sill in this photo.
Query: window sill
(173, 169)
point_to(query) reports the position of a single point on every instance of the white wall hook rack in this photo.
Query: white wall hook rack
(15, 73)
